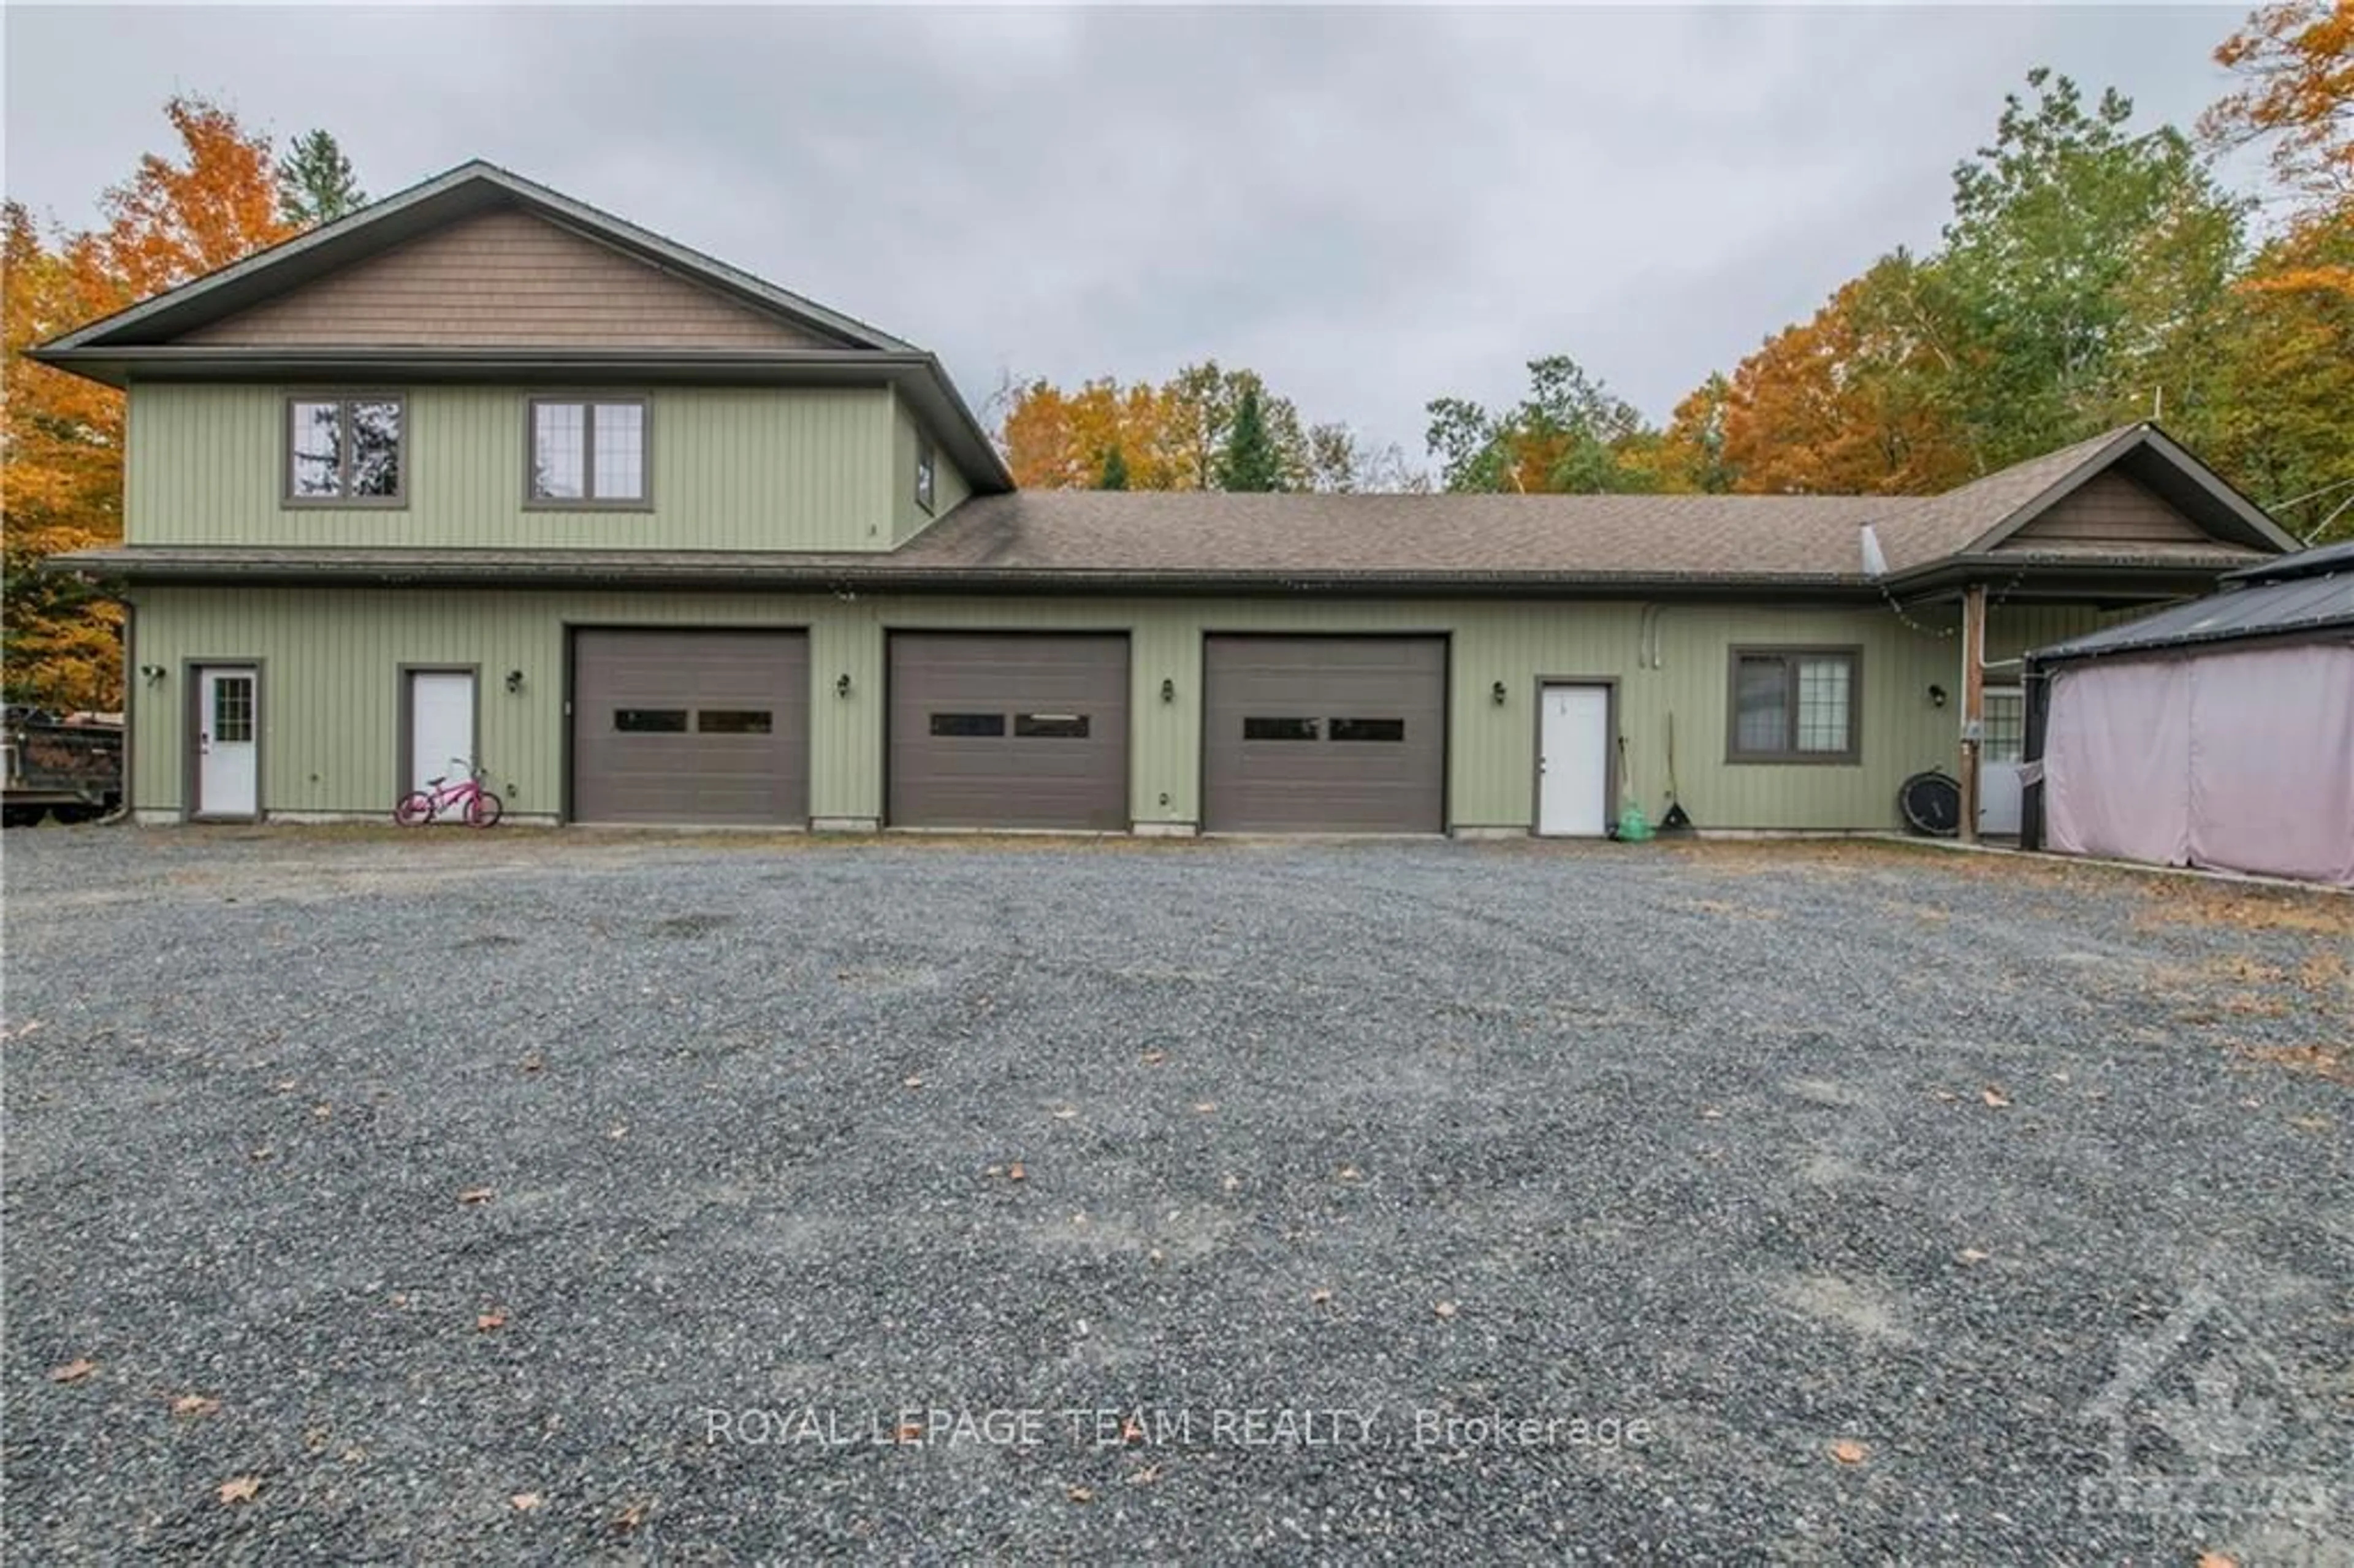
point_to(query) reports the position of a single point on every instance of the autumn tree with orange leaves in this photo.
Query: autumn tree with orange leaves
(62, 437)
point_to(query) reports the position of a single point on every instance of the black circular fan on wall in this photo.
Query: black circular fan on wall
(1932, 804)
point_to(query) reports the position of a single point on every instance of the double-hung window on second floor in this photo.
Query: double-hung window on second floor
(588, 451)
(346, 451)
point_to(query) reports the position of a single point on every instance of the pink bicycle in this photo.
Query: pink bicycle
(466, 799)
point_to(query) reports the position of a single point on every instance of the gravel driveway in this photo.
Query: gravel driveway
(523, 1196)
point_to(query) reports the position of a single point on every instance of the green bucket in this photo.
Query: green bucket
(1634, 828)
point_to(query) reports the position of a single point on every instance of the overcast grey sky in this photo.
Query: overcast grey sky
(1371, 207)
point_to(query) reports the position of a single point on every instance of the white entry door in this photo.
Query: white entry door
(228, 775)
(2002, 746)
(1574, 762)
(440, 724)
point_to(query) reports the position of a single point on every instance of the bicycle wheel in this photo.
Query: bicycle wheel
(415, 808)
(485, 809)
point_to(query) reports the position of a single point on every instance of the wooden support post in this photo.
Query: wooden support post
(1974, 613)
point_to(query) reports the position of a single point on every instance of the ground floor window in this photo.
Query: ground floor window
(1794, 704)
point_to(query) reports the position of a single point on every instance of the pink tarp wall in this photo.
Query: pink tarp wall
(2236, 761)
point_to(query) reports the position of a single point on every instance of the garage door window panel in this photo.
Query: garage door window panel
(1281, 729)
(650, 721)
(1050, 726)
(733, 721)
(968, 727)
(1794, 705)
(1392, 730)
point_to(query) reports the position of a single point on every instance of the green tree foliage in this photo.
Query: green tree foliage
(2088, 267)
(1570, 434)
(1114, 472)
(1249, 462)
(316, 183)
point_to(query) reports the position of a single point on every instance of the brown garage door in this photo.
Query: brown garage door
(1324, 734)
(1008, 730)
(689, 727)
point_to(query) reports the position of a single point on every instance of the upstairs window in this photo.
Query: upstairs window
(588, 451)
(346, 452)
(927, 469)
(1794, 704)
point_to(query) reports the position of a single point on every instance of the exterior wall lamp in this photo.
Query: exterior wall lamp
(1936, 696)
(514, 680)
(152, 673)
(1168, 690)
(1497, 692)
(841, 684)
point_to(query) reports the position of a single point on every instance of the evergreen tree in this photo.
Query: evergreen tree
(316, 183)
(1250, 461)
(1114, 472)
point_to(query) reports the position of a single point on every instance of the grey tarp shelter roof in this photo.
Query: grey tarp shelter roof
(2310, 591)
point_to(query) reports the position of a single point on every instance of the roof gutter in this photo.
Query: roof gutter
(834, 575)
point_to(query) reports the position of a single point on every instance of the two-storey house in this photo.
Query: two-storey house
(480, 473)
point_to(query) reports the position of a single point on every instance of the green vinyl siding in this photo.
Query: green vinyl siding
(330, 703)
(950, 486)
(731, 469)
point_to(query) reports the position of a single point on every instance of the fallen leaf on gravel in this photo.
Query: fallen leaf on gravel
(1081, 1494)
(1445, 1308)
(1232, 1183)
(1153, 1058)
(908, 1432)
(398, 1299)
(1156, 1257)
(911, 1082)
(490, 1322)
(1065, 1113)
(1145, 1477)
(634, 1515)
(1847, 1452)
(2309, 1123)
(534, 1063)
(1351, 1173)
(1972, 1254)
(1945, 1094)
(194, 1404)
(1319, 1297)
(1710, 1113)
(524, 1502)
(1014, 1172)
(2216, 1560)
(284, 1085)
(265, 1152)
(322, 1111)
(1994, 1097)
(475, 1195)
(74, 1370)
(1205, 1106)
(1131, 1430)
(241, 1490)
(618, 1132)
